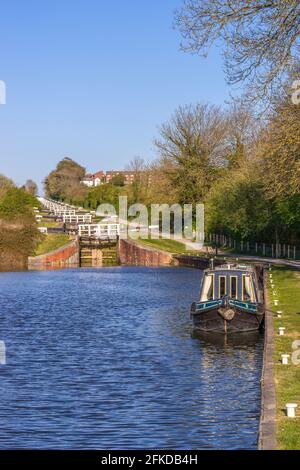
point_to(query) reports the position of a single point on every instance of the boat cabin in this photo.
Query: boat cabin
(236, 282)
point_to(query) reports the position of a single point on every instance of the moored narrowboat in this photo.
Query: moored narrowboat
(231, 300)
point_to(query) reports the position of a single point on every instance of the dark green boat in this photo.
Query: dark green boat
(231, 300)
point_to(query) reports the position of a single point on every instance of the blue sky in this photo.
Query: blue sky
(93, 80)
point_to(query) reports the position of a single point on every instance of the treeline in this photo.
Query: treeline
(243, 162)
(19, 234)
(64, 184)
(246, 170)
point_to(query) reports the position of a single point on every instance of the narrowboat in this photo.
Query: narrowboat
(231, 300)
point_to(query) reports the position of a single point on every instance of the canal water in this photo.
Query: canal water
(106, 359)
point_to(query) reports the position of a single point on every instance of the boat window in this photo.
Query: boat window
(247, 289)
(222, 286)
(233, 287)
(208, 288)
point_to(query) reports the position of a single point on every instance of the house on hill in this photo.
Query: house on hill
(93, 180)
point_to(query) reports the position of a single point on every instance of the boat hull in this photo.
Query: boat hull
(213, 321)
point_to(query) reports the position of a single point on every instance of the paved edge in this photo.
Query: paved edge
(267, 427)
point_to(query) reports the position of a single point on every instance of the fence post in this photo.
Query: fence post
(272, 250)
(294, 252)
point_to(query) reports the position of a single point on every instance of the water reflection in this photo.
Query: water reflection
(106, 359)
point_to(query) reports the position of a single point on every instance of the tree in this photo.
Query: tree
(19, 234)
(242, 132)
(17, 203)
(138, 190)
(5, 184)
(64, 182)
(118, 180)
(238, 207)
(193, 148)
(31, 187)
(104, 194)
(260, 38)
(280, 151)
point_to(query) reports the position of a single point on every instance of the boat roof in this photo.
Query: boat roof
(246, 268)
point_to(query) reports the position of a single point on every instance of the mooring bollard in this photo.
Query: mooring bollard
(285, 359)
(291, 410)
(281, 331)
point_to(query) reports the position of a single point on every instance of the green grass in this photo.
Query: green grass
(51, 242)
(171, 246)
(287, 378)
(49, 223)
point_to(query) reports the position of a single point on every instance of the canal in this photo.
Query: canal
(106, 359)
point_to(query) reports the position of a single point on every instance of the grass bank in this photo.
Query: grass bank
(287, 377)
(51, 242)
(171, 246)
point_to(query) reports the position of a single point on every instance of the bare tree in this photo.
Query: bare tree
(260, 38)
(193, 147)
(243, 131)
(140, 184)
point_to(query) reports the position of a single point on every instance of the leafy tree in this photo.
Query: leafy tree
(17, 203)
(279, 150)
(104, 194)
(238, 207)
(19, 234)
(288, 213)
(64, 182)
(118, 180)
(5, 184)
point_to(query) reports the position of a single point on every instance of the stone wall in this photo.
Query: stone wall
(130, 253)
(66, 256)
(197, 262)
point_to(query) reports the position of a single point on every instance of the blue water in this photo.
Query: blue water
(106, 359)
